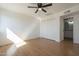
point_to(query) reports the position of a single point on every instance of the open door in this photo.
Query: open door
(68, 28)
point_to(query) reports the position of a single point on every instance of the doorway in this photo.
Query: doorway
(68, 28)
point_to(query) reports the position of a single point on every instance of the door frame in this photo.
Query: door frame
(62, 26)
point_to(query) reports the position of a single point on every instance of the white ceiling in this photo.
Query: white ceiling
(22, 8)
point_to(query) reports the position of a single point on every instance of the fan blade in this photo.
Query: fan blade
(32, 7)
(39, 5)
(44, 10)
(47, 5)
(36, 11)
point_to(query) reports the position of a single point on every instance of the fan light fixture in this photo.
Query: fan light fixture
(40, 9)
(40, 6)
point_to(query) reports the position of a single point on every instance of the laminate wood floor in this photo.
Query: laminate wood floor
(42, 47)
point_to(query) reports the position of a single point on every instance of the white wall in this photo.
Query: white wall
(23, 26)
(76, 29)
(49, 28)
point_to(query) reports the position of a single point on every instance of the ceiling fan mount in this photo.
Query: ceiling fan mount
(41, 6)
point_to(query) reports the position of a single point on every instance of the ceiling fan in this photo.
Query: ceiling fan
(41, 6)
